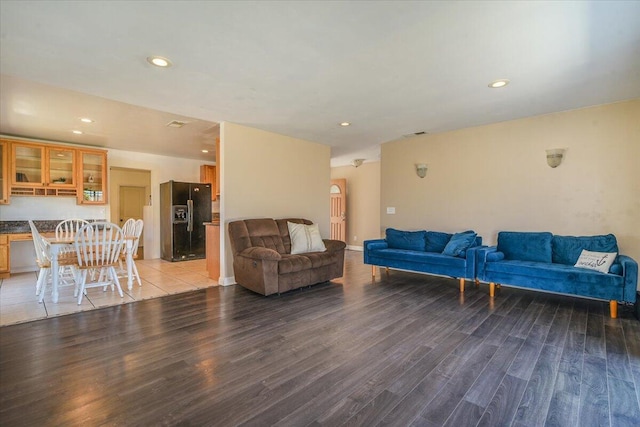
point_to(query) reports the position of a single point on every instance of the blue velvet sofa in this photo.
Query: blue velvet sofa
(422, 251)
(544, 261)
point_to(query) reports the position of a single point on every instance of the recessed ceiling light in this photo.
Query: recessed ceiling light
(86, 120)
(498, 83)
(159, 61)
(205, 151)
(345, 124)
(77, 132)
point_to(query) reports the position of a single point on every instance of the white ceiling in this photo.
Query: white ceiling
(301, 68)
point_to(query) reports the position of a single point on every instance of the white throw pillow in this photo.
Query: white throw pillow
(305, 238)
(600, 261)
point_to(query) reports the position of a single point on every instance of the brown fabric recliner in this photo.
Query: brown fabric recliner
(262, 260)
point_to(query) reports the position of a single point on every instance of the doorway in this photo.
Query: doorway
(130, 194)
(338, 193)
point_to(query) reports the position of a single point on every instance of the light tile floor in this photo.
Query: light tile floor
(19, 303)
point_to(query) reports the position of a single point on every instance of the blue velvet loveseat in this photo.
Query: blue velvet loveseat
(547, 262)
(429, 252)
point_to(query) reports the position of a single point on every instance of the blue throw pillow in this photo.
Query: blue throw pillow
(409, 240)
(459, 243)
(437, 241)
(567, 249)
(525, 246)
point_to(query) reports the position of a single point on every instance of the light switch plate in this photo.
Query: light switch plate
(391, 210)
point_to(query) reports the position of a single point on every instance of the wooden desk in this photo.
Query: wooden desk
(5, 249)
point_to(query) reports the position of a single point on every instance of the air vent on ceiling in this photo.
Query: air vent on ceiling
(176, 124)
(409, 135)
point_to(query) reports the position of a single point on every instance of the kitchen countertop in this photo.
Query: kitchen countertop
(43, 226)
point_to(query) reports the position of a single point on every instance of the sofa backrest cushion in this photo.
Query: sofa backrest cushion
(525, 246)
(262, 232)
(437, 241)
(409, 240)
(284, 230)
(567, 249)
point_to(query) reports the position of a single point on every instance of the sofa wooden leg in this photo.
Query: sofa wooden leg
(613, 307)
(492, 289)
(477, 282)
(386, 269)
(462, 285)
(373, 272)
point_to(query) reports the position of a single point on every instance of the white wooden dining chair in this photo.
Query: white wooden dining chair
(132, 228)
(66, 230)
(98, 246)
(43, 260)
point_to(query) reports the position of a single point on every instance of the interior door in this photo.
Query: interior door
(338, 195)
(132, 200)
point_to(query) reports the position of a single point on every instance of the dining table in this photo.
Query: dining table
(57, 244)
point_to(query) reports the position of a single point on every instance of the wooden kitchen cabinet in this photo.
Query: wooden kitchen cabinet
(208, 176)
(4, 255)
(42, 170)
(92, 177)
(4, 172)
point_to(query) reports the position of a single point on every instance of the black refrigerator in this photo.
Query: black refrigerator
(184, 208)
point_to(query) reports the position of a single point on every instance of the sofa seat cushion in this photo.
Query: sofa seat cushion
(292, 263)
(547, 271)
(418, 257)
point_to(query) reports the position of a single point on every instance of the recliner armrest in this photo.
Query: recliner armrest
(334, 245)
(257, 252)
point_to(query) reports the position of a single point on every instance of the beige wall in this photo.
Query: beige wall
(363, 201)
(495, 177)
(264, 174)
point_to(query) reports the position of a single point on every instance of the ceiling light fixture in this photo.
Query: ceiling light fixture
(345, 124)
(77, 132)
(205, 151)
(498, 83)
(159, 61)
(86, 120)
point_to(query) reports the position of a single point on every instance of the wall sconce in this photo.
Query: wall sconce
(421, 170)
(357, 162)
(554, 157)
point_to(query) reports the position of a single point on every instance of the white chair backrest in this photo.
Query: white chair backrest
(68, 228)
(133, 228)
(40, 244)
(98, 244)
(137, 233)
(128, 228)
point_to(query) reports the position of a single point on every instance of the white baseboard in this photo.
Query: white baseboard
(355, 248)
(227, 281)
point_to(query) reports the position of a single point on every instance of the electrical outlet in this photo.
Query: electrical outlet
(355, 238)
(391, 210)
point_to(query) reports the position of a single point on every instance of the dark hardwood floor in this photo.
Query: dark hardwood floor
(407, 350)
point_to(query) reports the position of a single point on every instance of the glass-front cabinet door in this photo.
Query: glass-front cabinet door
(28, 165)
(93, 177)
(61, 169)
